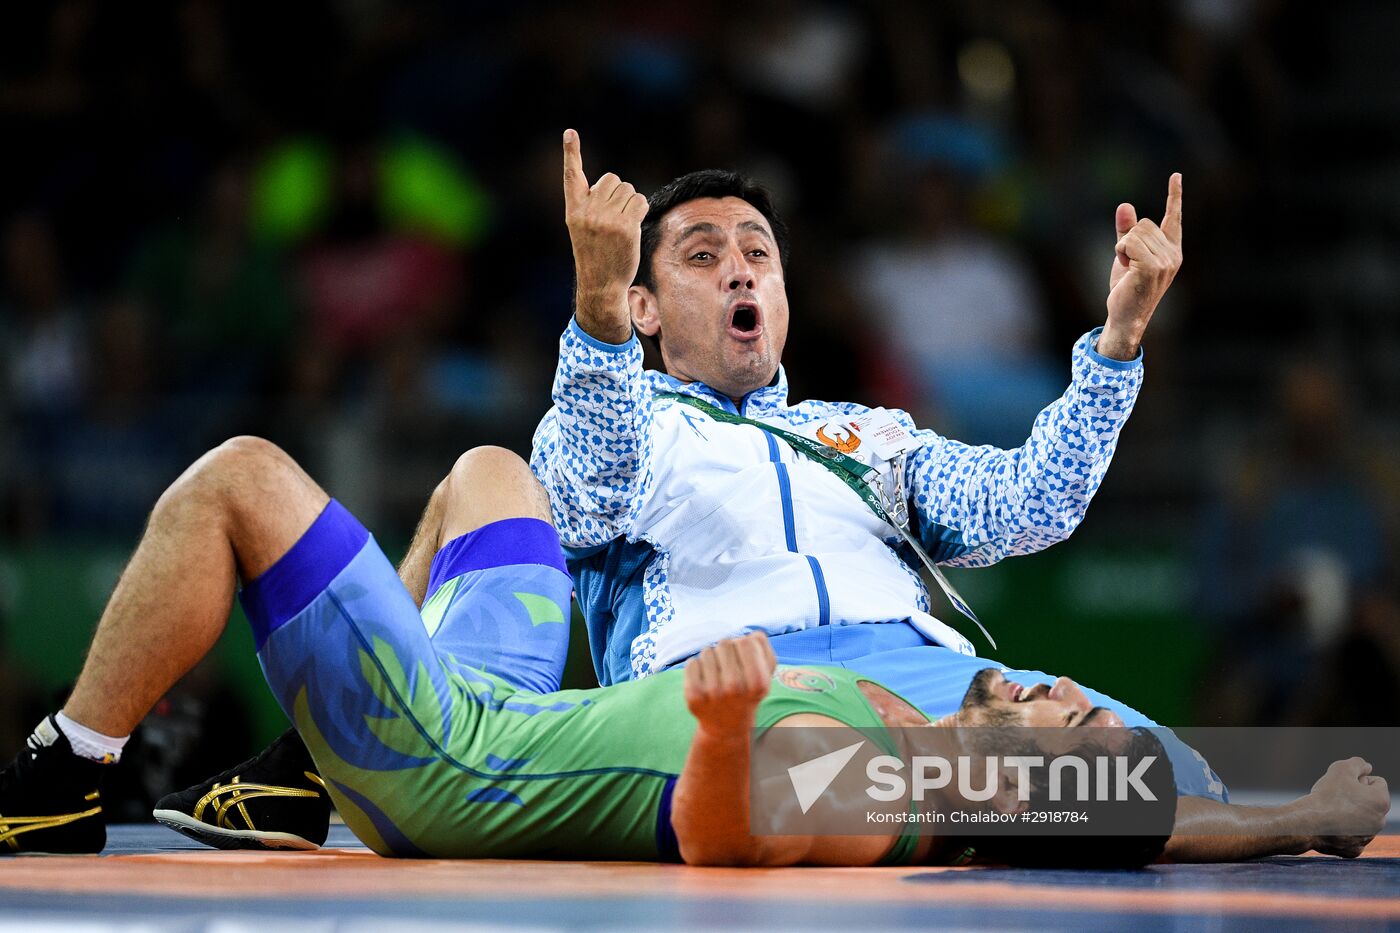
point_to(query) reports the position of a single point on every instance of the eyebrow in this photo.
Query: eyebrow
(710, 229)
(1089, 715)
(756, 227)
(702, 227)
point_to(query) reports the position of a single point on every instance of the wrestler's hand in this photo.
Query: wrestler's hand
(1351, 804)
(725, 684)
(1145, 261)
(605, 228)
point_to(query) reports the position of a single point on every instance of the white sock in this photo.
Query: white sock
(85, 742)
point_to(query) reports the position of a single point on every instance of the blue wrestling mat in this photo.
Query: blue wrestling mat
(1321, 875)
(152, 879)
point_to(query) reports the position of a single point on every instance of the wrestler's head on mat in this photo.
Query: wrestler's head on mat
(992, 700)
(998, 718)
(1003, 718)
(1135, 830)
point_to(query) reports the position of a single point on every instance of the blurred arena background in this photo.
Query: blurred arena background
(339, 225)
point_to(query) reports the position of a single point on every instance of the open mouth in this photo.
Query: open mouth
(744, 321)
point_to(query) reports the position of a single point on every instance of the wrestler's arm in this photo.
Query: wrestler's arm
(724, 685)
(1339, 816)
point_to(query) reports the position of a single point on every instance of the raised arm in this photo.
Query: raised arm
(1146, 259)
(605, 228)
(710, 811)
(593, 449)
(977, 505)
(724, 686)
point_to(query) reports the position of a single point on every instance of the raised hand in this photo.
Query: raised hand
(725, 684)
(1145, 261)
(605, 228)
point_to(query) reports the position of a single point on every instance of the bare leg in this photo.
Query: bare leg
(232, 514)
(487, 484)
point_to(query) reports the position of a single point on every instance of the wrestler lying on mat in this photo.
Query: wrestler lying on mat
(438, 732)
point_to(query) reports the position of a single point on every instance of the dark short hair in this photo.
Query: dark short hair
(1154, 820)
(706, 183)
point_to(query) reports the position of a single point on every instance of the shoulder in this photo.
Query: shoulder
(816, 410)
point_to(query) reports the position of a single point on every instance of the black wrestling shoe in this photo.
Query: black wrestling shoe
(50, 799)
(273, 801)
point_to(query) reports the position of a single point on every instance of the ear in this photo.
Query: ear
(646, 316)
(1006, 799)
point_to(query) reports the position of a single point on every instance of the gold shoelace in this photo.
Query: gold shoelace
(12, 826)
(239, 793)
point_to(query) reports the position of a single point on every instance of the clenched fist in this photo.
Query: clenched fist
(1146, 259)
(1351, 803)
(725, 684)
(605, 228)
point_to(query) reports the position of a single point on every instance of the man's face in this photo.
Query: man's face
(720, 303)
(992, 700)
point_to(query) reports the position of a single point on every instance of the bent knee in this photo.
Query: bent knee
(488, 483)
(490, 461)
(248, 449)
(493, 468)
(239, 464)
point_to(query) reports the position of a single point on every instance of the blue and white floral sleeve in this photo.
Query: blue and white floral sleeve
(976, 505)
(592, 451)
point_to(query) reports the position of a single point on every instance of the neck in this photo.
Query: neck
(738, 401)
(735, 394)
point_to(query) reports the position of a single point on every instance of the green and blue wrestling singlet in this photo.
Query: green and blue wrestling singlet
(443, 734)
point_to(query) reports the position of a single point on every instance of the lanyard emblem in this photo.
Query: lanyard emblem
(848, 444)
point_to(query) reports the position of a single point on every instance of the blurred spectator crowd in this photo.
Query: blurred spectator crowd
(338, 225)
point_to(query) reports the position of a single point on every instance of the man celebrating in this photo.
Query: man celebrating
(691, 502)
(698, 503)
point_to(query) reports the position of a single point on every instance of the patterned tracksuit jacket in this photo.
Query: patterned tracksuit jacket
(681, 530)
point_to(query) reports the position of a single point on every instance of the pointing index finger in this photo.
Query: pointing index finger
(575, 182)
(1171, 222)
